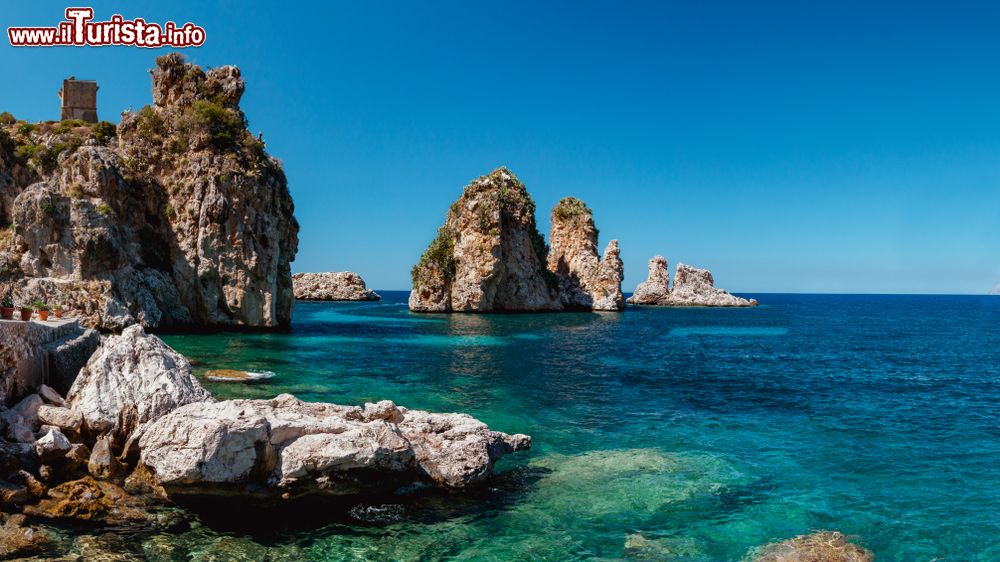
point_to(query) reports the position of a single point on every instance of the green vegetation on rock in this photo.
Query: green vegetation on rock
(570, 208)
(438, 257)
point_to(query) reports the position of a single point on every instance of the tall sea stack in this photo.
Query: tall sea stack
(586, 282)
(488, 256)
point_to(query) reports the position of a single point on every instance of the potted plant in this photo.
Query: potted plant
(26, 312)
(7, 307)
(43, 310)
(57, 310)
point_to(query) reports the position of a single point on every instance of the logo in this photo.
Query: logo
(78, 30)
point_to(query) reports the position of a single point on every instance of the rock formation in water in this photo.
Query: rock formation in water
(692, 287)
(332, 286)
(822, 546)
(488, 256)
(184, 221)
(586, 282)
(288, 447)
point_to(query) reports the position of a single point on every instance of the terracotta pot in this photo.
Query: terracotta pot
(25, 315)
(7, 313)
(58, 312)
(43, 315)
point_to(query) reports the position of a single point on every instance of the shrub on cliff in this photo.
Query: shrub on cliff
(7, 119)
(439, 256)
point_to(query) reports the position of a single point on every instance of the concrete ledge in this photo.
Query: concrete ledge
(35, 352)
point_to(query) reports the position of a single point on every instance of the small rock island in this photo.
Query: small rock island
(692, 287)
(490, 257)
(332, 286)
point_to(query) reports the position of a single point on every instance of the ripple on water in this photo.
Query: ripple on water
(727, 331)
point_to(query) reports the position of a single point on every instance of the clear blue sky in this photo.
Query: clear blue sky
(787, 146)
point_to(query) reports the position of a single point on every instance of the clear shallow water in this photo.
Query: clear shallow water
(665, 434)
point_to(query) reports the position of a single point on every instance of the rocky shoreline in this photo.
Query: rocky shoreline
(137, 431)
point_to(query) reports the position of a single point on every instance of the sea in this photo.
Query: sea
(682, 434)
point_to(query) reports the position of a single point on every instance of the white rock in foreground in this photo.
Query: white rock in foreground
(332, 286)
(131, 379)
(286, 446)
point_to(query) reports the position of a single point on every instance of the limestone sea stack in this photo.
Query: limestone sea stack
(176, 217)
(692, 287)
(586, 282)
(332, 286)
(488, 256)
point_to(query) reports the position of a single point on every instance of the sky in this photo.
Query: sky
(831, 146)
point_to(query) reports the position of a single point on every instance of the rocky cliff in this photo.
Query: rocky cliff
(332, 286)
(488, 256)
(692, 287)
(586, 282)
(177, 217)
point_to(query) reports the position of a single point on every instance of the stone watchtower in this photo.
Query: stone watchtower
(79, 100)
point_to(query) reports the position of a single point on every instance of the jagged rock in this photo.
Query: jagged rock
(11, 493)
(184, 221)
(52, 445)
(586, 282)
(48, 394)
(18, 539)
(655, 289)
(21, 420)
(131, 379)
(102, 463)
(35, 488)
(822, 546)
(692, 287)
(488, 256)
(63, 418)
(332, 286)
(92, 500)
(288, 447)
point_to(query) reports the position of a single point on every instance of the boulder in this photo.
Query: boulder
(63, 418)
(132, 378)
(286, 447)
(101, 462)
(50, 396)
(87, 499)
(332, 286)
(488, 256)
(52, 445)
(822, 546)
(586, 282)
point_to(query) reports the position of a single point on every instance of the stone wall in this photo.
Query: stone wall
(35, 353)
(79, 100)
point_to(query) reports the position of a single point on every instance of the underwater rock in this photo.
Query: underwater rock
(233, 375)
(178, 217)
(822, 546)
(586, 282)
(488, 256)
(332, 286)
(18, 539)
(288, 447)
(132, 378)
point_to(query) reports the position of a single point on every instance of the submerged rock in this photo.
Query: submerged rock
(183, 220)
(288, 447)
(233, 375)
(18, 539)
(822, 546)
(692, 287)
(488, 256)
(332, 286)
(586, 282)
(131, 379)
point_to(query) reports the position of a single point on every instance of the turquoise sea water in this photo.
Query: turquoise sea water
(659, 434)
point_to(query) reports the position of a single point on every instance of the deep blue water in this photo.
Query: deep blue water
(669, 434)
